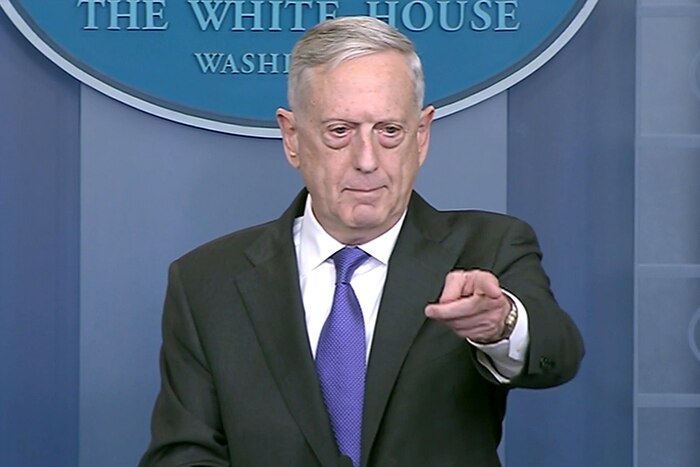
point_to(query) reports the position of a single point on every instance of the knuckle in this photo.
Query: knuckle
(455, 274)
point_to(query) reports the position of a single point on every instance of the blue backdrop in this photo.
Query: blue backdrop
(96, 198)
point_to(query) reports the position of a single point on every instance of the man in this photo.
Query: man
(362, 327)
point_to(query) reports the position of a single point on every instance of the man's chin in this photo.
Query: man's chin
(366, 216)
(371, 222)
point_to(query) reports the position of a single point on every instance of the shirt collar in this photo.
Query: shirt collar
(316, 245)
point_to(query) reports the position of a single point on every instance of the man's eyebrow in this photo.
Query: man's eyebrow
(338, 120)
(390, 121)
(386, 121)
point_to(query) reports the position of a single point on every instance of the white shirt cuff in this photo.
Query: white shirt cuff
(505, 359)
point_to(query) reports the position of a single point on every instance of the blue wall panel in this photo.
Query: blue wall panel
(151, 190)
(571, 174)
(39, 240)
(667, 391)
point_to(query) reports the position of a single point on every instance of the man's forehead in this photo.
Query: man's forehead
(385, 71)
(359, 59)
(380, 81)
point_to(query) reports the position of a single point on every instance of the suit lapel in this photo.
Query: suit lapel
(416, 275)
(270, 291)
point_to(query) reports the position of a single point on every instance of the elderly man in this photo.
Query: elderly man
(363, 327)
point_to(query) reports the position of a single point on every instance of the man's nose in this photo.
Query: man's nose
(365, 155)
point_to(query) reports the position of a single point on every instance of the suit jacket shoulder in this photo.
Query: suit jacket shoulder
(238, 251)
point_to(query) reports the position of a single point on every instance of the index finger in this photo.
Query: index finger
(458, 284)
(485, 283)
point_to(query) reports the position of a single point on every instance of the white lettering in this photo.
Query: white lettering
(90, 23)
(298, 12)
(275, 16)
(230, 64)
(389, 17)
(483, 16)
(225, 63)
(324, 10)
(208, 62)
(427, 16)
(249, 63)
(256, 15)
(444, 24)
(154, 13)
(504, 14)
(212, 17)
(131, 15)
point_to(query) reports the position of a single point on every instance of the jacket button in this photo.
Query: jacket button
(546, 363)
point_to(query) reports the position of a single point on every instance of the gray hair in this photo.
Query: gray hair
(335, 41)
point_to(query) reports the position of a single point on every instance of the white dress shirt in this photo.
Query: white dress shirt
(314, 248)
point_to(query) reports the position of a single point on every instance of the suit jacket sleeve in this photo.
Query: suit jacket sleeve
(556, 347)
(186, 426)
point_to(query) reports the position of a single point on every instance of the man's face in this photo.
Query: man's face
(358, 140)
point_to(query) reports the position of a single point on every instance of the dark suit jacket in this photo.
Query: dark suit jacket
(239, 385)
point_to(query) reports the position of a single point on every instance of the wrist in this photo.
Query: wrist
(510, 319)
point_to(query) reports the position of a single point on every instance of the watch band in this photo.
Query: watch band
(510, 320)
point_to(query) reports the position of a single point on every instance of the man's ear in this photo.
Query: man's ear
(423, 133)
(287, 124)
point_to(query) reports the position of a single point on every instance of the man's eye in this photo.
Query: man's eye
(337, 136)
(391, 135)
(339, 131)
(391, 130)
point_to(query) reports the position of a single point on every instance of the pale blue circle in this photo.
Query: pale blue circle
(221, 64)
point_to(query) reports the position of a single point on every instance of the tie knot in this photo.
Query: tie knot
(346, 261)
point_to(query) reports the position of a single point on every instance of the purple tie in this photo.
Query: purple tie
(340, 357)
